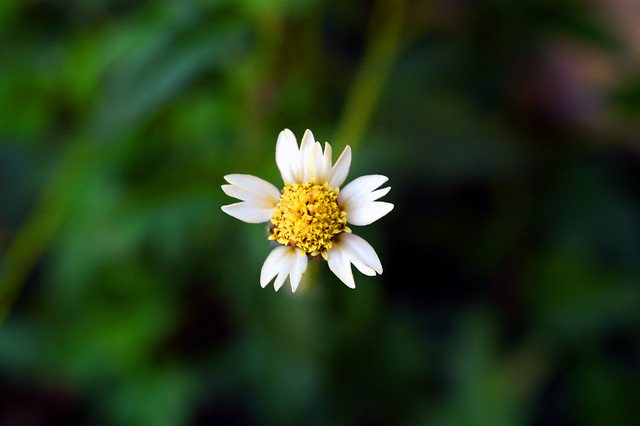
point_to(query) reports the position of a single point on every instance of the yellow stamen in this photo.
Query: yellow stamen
(307, 216)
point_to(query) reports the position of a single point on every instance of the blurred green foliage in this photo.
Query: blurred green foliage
(509, 131)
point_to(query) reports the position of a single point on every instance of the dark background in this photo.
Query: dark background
(510, 133)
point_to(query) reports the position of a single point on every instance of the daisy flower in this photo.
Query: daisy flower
(309, 217)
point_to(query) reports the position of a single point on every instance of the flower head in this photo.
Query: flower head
(309, 217)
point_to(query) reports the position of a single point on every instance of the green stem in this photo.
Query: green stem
(40, 228)
(310, 277)
(373, 73)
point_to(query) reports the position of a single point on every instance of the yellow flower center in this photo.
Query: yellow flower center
(308, 217)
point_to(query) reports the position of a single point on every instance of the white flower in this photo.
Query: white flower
(309, 216)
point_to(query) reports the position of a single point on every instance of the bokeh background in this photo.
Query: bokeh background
(510, 131)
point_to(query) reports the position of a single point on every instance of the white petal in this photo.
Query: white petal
(339, 265)
(370, 196)
(285, 268)
(252, 197)
(271, 265)
(360, 252)
(248, 212)
(287, 155)
(306, 146)
(340, 170)
(314, 164)
(326, 172)
(360, 186)
(299, 268)
(367, 213)
(365, 198)
(254, 185)
(358, 263)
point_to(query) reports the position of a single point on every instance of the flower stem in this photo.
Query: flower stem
(374, 71)
(310, 277)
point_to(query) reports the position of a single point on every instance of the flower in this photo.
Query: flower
(309, 217)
